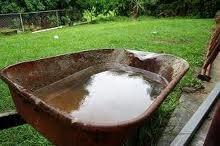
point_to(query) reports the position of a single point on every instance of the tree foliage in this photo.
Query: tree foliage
(200, 8)
(35, 5)
(8, 6)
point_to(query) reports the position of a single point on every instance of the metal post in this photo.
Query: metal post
(22, 25)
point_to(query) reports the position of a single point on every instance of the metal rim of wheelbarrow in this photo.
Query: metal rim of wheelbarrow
(101, 127)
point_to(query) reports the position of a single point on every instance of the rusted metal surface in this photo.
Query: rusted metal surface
(212, 138)
(25, 78)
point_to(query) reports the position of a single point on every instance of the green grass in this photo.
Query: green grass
(186, 38)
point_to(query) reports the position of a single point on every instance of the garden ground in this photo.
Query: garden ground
(186, 38)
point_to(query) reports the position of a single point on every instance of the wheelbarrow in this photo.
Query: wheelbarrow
(25, 79)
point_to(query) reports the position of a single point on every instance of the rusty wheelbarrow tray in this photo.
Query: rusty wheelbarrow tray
(25, 78)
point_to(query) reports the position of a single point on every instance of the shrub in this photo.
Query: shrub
(65, 20)
(53, 21)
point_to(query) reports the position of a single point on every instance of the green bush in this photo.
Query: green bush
(53, 21)
(65, 20)
(200, 8)
(134, 8)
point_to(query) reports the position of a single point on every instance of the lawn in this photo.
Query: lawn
(186, 38)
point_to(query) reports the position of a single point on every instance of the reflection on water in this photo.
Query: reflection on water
(108, 96)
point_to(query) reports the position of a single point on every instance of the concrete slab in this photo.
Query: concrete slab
(201, 134)
(189, 103)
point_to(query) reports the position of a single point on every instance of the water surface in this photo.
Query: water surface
(103, 96)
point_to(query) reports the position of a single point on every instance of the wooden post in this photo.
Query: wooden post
(22, 25)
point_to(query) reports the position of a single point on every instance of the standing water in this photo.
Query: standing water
(103, 95)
